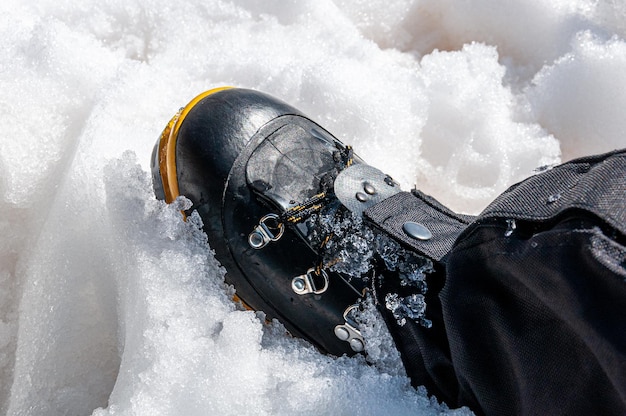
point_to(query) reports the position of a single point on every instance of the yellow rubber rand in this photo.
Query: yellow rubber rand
(167, 156)
(167, 147)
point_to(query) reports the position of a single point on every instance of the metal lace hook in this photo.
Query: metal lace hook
(263, 233)
(305, 284)
(349, 331)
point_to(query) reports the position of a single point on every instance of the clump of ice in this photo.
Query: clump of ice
(381, 351)
(411, 307)
(412, 268)
(349, 246)
(108, 300)
(347, 243)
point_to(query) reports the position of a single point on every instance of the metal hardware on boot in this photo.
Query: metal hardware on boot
(263, 233)
(417, 231)
(238, 155)
(305, 284)
(348, 332)
(369, 188)
(361, 196)
(361, 186)
(390, 181)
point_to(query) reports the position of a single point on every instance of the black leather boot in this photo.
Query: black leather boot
(282, 202)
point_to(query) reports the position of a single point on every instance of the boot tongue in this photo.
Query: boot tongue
(289, 166)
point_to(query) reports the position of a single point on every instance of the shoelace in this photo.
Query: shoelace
(344, 158)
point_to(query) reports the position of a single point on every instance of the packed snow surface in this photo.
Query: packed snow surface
(110, 304)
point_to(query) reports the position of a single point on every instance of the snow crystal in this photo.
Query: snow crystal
(348, 247)
(411, 307)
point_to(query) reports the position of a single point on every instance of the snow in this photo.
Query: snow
(110, 304)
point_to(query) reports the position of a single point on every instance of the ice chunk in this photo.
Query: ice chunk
(411, 307)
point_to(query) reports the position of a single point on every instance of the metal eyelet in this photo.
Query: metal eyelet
(349, 331)
(305, 284)
(263, 233)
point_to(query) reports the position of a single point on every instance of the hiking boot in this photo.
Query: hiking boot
(281, 200)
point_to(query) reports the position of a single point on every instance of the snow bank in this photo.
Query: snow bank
(110, 304)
